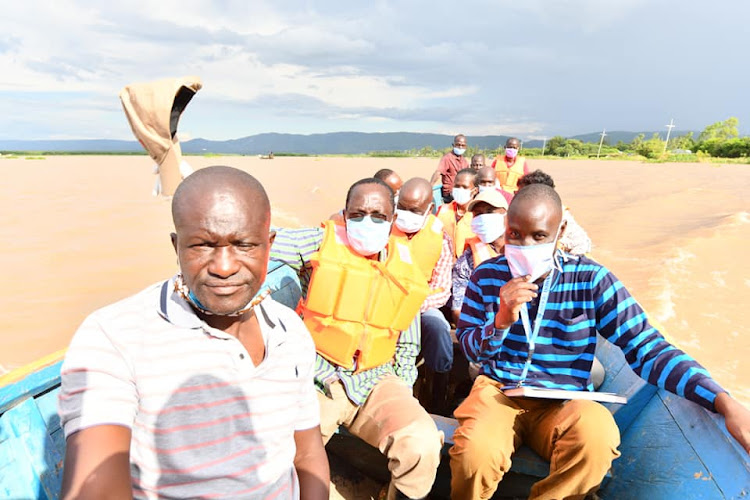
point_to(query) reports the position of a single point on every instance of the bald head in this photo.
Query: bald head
(211, 183)
(486, 176)
(222, 217)
(417, 190)
(478, 161)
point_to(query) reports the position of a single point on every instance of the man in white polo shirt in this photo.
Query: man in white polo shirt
(196, 387)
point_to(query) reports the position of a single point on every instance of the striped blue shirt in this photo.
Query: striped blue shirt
(295, 247)
(584, 299)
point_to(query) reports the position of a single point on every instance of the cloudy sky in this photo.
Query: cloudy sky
(530, 68)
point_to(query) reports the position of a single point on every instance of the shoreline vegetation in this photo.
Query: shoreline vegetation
(668, 157)
(717, 143)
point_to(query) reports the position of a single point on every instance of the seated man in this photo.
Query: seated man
(488, 223)
(487, 179)
(575, 240)
(391, 178)
(477, 161)
(562, 302)
(510, 167)
(454, 215)
(196, 387)
(362, 293)
(433, 250)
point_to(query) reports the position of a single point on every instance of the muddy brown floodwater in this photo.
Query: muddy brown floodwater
(80, 232)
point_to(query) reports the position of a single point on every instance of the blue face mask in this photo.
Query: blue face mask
(367, 236)
(459, 151)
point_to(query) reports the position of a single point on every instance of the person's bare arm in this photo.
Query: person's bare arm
(311, 463)
(97, 464)
(436, 178)
(736, 418)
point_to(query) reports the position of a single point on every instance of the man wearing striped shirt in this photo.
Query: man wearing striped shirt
(195, 387)
(374, 403)
(562, 303)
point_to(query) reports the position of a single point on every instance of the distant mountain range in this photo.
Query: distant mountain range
(330, 143)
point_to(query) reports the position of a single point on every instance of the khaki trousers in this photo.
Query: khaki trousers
(394, 422)
(579, 438)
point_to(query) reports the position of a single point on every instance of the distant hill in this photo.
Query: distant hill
(330, 143)
(334, 143)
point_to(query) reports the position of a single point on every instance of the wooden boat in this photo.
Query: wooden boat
(671, 448)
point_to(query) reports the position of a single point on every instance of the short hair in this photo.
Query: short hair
(537, 192)
(457, 136)
(371, 180)
(536, 177)
(383, 174)
(470, 172)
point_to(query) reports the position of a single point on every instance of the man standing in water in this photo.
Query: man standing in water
(510, 167)
(449, 165)
(553, 346)
(362, 293)
(195, 387)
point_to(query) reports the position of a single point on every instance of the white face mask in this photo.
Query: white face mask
(461, 196)
(488, 227)
(367, 237)
(409, 222)
(482, 189)
(531, 260)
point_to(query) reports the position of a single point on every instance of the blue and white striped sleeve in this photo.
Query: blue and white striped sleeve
(622, 321)
(476, 324)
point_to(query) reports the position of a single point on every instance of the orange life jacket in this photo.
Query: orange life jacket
(357, 307)
(481, 251)
(508, 177)
(459, 231)
(426, 245)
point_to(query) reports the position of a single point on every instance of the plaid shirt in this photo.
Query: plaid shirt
(441, 277)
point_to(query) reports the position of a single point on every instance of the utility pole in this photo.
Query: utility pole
(544, 144)
(601, 141)
(669, 131)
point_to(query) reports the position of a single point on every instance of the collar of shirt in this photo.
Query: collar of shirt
(176, 310)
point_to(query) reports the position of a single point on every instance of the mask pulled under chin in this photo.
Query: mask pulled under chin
(367, 237)
(188, 295)
(531, 260)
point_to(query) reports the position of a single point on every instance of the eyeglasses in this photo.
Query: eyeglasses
(376, 218)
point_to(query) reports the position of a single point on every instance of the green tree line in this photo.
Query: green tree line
(720, 140)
